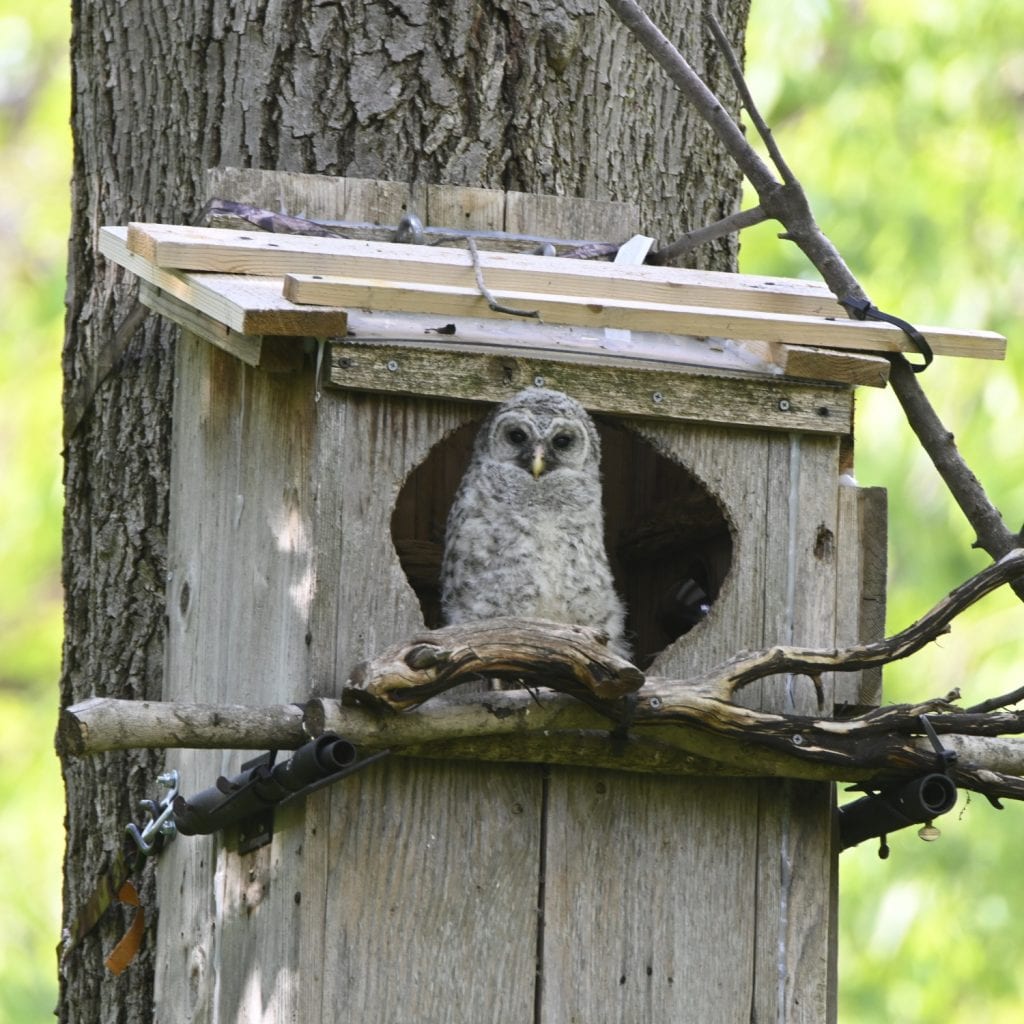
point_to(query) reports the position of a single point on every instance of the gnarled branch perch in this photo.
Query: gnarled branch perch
(607, 713)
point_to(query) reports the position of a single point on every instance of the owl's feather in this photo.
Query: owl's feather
(525, 534)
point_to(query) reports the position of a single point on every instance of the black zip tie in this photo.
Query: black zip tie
(945, 756)
(862, 309)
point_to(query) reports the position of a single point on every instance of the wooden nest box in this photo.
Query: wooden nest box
(311, 480)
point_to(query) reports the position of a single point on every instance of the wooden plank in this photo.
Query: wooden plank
(824, 364)
(797, 872)
(793, 961)
(817, 319)
(860, 599)
(570, 217)
(237, 627)
(515, 333)
(647, 916)
(597, 310)
(248, 305)
(246, 347)
(649, 899)
(799, 574)
(848, 368)
(313, 196)
(625, 390)
(462, 208)
(249, 251)
(760, 905)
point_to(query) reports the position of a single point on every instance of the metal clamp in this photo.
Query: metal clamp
(159, 826)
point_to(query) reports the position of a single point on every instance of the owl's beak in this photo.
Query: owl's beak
(537, 466)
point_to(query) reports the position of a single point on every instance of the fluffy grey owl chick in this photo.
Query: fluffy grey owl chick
(525, 534)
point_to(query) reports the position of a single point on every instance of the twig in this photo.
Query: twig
(267, 220)
(788, 204)
(747, 99)
(746, 669)
(995, 703)
(726, 226)
(486, 292)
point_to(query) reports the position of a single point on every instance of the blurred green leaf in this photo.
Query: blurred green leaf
(35, 160)
(905, 123)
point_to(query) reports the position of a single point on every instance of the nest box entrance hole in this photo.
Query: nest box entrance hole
(668, 540)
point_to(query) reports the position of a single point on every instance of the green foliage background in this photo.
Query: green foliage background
(906, 123)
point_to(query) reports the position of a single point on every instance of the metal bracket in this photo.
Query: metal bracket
(159, 826)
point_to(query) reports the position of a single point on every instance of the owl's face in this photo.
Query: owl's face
(543, 432)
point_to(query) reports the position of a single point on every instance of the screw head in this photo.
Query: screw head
(784, 405)
(393, 365)
(657, 398)
(538, 381)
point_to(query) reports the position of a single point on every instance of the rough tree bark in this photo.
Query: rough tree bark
(529, 95)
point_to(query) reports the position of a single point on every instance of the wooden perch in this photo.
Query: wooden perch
(102, 723)
(572, 659)
(603, 716)
(673, 731)
(575, 660)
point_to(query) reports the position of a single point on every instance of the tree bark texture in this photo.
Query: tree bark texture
(529, 95)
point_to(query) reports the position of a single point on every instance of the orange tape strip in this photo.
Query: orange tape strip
(127, 949)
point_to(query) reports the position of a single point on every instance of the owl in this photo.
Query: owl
(525, 535)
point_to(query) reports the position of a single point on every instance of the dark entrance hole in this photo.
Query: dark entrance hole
(668, 541)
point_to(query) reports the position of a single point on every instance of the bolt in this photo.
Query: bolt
(798, 740)
(657, 398)
(654, 703)
(538, 381)
(784, 405)
(393, 365)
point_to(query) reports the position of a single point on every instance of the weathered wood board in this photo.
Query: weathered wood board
(245, 304)
(620, 387)
(597, 310)
(227, 251)
(240, 568)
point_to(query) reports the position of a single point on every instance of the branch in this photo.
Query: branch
(747, 99)
(673, 730)
(607, 714)
(575, 660)
(788, 204)
(726, 226)
(103, 723)
(744, 669)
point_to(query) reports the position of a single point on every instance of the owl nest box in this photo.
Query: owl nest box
(326, 399)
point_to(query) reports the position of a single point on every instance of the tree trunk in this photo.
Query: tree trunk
(527, 95)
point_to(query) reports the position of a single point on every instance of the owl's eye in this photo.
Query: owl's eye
(516, 436)
(562, 441)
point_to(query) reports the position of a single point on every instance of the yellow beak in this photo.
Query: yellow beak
(537, 466)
